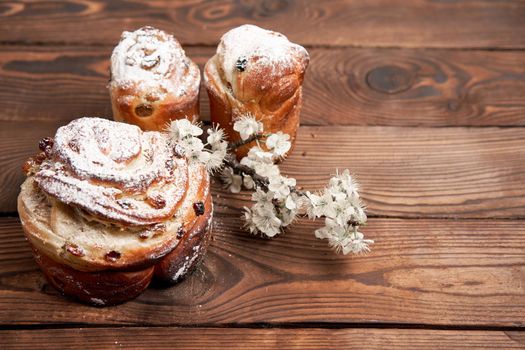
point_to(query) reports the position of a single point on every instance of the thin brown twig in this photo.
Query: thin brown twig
(237, 167)
(262, 181)
(234, 145)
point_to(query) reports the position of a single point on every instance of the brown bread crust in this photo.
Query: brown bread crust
(109, 255)
(111, 287)
(126, 104)
(152, 80)
(268, 89)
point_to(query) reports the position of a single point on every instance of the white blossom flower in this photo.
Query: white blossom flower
(279, 143)
(215, 137)
(194, 150)
(231, 181)
(257, 154)
(246, 126)
(248, 162)
(181, 128)
(266, 170)
(343, 212)
(262, 196)
(264, 218)
(344, 183)
(247, 182)
(320, 205)
(360, 215)
(184, 134)
(340, 211)
(287, 216)
(262, 168)
(302, 203)
(343, 239)
(221, 147)
(330, 228)
(338, 239)
(216, 160)
(357, 244)
(248, 220)
(336, 192)
(280, 185)
(290, 202)
(261, 161)
(200, 156)
(191, 144)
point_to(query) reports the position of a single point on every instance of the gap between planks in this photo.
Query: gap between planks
(66, 44)
(266, 325)
(339, 22)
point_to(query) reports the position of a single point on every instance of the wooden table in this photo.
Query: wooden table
(423, 100)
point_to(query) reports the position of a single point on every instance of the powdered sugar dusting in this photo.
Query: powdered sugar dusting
(97, 301)
(151, 59)
(114, 152)
(115, 219)
(113, 170)
(247, 42)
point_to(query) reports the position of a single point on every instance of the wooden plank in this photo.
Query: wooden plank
(404, 172)
(416, 23)
(246, 338)
(347, 86)
(434, 272)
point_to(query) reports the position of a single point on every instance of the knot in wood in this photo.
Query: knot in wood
(389, 79)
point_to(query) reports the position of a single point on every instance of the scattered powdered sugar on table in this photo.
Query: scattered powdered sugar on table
(97, 301)
(247, 42)
(151, 58)
(188, 263)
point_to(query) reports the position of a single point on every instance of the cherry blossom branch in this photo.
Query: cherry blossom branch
(263, 182)
(277, 200)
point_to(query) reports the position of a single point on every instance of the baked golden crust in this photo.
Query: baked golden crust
(256, 72)
(97, 288)
(54, 228)
(73, 243)
(115, 286)
(189, 252)
(152, 80)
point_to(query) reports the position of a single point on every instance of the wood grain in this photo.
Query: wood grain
(342, 87)
(416, 23)
(404, 172)
(393, 91)
(245, 338)
(434, 272)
